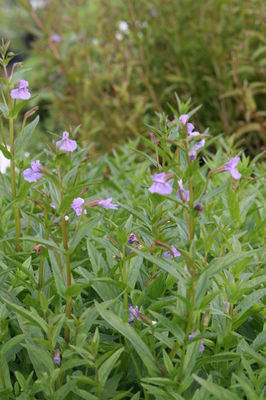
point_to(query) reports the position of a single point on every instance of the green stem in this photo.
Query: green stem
(99, 394)
(13, 169)
(46, 236)
(190, 296)
(191, 198)
(68, 270)
(125, 281)
(2, 377)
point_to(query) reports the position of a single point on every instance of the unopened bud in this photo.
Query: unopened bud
(37, 248)
(57, 358)
(31, 112)
(199, 207)
(154, 139)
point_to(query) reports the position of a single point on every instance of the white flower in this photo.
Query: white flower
(119, 36)
(37, 3)
(4, 162)
(66, 217)
(123, 26)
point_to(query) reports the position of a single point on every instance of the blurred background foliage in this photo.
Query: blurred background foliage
(114, 63)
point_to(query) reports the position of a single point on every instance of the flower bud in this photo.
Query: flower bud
(57, 358)
(199, 207)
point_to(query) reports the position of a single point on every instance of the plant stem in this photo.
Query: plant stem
(46, 236)
(68, 269)
(190, 296)
(13, 185)
(125, 281)
(191, 198)
(13, 168)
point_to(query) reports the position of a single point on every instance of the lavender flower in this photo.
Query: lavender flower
(250, 318)
(53, 205)
(201, 346)
(160, 184)
(107, 204)
(193, 151)
(184, 118)
(192, 335)
(56, 38)
(231, 167)
(33, 174)
(77, 206)
(134, 313)
(66, 144)
(169, 254)
(190, 130)
(182, 194)
(57, 358)
(132, 238)
(22, 91)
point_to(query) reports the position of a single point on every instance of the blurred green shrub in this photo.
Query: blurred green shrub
(118, 61)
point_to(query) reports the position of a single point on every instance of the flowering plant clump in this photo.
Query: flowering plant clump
(186, 251)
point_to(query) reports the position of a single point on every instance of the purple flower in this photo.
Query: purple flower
(107, 204)
(192, 335)
(160, 184)
(33, 174)
(250, 318)
(132, 238)
(193, 151)
(56, 38)
(22, 91)
(57, 358)
(169, 254)
(77, 206)
(134, 313)
(190, 130)
(231, 167)
(182, 194)
(66, 144)
(53, 205)
(184, 118)
(201, 346)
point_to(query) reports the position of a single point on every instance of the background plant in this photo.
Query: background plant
(112, 64)
(66, 294)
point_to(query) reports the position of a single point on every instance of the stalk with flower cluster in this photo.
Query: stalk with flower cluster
(189, 142)
(12, 95)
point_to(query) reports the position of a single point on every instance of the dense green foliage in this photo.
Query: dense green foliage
(67, 281)
(120, 61)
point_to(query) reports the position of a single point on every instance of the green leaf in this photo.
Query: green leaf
(65, 390)
(4, 109)
(73, 290)
(21, 143)
(57, 273)
(218, 391)
(31, 316)
(5, 152)
(15, 110)
(127, 331)
(12, 343)
(107, 367)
